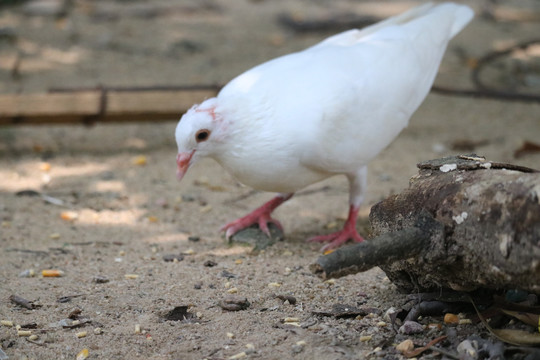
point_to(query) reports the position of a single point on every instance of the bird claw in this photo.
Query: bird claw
(260, 216)
(337, 239)
(261, 219)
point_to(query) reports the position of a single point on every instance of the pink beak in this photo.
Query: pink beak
(183, 161)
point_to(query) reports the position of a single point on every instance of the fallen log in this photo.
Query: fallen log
(464, 224)
(101, 105)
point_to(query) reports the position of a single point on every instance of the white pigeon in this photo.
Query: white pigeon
(320, 112)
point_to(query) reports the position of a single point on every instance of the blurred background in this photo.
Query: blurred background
(78, 44)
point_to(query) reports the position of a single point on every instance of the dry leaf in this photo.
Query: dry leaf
(527, 318)
(420, 350)
(510, 336)
(517, 337)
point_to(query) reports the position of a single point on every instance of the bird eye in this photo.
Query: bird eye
(202, 135)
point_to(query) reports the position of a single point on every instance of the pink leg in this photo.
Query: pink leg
(340, 237)
(260, 216)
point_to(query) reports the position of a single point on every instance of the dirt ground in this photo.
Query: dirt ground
(125, 209)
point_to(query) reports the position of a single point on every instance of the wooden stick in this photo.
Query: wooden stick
(89, 106)
(367, 254)
(384, 249)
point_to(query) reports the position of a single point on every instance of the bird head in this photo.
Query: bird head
(196, 135)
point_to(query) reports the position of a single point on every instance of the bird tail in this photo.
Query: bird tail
(461, 15)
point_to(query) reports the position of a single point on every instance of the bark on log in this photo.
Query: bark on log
(490, 214)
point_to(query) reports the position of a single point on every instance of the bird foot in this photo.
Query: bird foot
(337, 238)
(260, 216)
(256, 217)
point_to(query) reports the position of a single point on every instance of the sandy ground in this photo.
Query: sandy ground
(126, 215)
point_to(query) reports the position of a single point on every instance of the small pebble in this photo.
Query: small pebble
(230, 335)
(411, 327)
(234, 303)
(450, 318)
(238, 356)
(291, 300)
(468, 349)
(98, 331)
(388, 314)
(173, 257)
(405, 346)
(299, 346)
(99, 279)
(83, 354)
